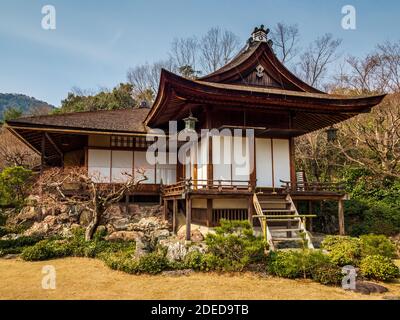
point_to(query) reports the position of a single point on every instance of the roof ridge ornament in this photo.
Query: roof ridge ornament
(260, 34)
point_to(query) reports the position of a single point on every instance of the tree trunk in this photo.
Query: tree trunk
(92, 227)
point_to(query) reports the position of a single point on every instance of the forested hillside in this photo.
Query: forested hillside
(23, 103)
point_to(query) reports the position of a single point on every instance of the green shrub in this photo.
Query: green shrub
(5, 230)
(382, 219)
(235, 246)
(377, 245)
(47, 249)
(379, 268)
(209, 262)
(295, 264)
(16, 246)
(152, 263)
(14, 185)
(75, 246)
(343, 250)
(22, 241)
(328, 274)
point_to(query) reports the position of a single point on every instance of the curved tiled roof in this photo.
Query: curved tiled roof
(123, 120)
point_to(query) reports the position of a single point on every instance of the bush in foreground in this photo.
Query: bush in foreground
(303, 264)
(378, 267)
(343, 250)
(16, 246)
(152, 263)
(75, 246)
(234, 246)
(372, 244)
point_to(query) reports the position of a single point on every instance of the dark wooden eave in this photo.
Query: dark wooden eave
(311, 111)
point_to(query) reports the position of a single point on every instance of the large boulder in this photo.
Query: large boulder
(85, 217)
(142, 248)
(369, 287)
(124, 236)
(195, 234)
(178, 250)
(49, 226)
(27, 216)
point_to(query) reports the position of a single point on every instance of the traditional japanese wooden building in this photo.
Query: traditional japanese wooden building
(254, 91)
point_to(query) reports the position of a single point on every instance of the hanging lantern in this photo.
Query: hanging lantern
(331, 134)
(190, 123)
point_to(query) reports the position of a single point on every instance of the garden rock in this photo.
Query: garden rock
(11, 236)
(27, 216)
(177, 273)
(51, 225)
(141, 249)
(177, 250)
(369, 287)
(84, 217)
(195, 234)
(124, 236)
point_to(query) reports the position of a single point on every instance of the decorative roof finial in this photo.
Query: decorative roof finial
(260, 34)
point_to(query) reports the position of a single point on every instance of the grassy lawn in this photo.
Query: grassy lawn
(81, 278)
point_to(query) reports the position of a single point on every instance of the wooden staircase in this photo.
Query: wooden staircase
(280, 220)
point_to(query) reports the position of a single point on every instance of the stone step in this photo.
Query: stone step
(285, 230)
(286, 239)
(278, 211)
(283, 201)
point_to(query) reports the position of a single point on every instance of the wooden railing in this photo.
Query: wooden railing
(313, 187)
(204, 185)
(228, 214)
(263, 222)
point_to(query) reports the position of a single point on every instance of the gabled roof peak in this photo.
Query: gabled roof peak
(260, 34)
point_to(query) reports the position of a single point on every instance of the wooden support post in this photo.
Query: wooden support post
(310, 211)
(165, 209)
(127, 203)
(43, 153)
(292, 162)
(341, 217)
(210, 169)
(174, 215)
(289, 226)
(250, 210)
(209, 212)
(188, 218)
(253, 173)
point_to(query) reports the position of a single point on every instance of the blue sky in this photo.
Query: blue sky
(96, 41)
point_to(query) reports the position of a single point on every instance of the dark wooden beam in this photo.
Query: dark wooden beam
(341, 217)
(188, 217)
(209, 212)
(43, 153)
(48, 137)
(174, 215)
(292, 161)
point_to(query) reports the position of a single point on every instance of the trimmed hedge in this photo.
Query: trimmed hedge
(378, 267)
(234, 246)
(343, 250)
(16, 246)
(75, 246)
(312, 264)
(152, 263)
(372, 244)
